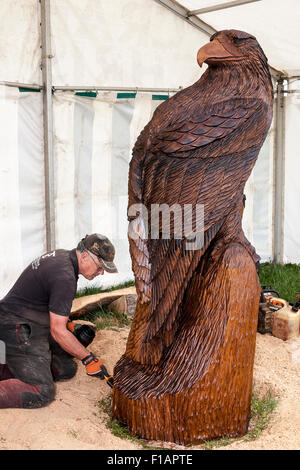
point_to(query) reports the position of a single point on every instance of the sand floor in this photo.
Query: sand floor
(74, 420)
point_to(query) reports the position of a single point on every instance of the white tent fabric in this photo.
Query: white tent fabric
(91, 189)
(149, 47)
(274, 23)
(129, 43)
(257, 217)
(292, 183)
(22, 204)
(20, 53)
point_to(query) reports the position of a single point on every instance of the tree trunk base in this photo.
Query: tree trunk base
(218, 402)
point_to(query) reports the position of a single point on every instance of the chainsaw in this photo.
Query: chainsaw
(270, 320)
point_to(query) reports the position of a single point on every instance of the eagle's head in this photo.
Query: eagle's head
(231, 46)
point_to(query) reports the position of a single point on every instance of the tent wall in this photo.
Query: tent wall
(292, 181)
(133, 43)
(20, 41)
(258, 214)
(22, 216)
(92, 155)
(93, 136)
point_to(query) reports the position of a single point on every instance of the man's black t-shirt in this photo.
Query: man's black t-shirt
(49, 283)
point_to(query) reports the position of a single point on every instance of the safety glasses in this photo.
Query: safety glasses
(99, 267)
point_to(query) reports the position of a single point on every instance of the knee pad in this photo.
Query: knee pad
(17, 394)
(41, 397)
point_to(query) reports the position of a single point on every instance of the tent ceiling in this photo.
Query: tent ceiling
(274, 23)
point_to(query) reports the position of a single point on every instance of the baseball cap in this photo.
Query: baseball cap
(102, 247)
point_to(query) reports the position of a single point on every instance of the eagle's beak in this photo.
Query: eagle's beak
(212, 50)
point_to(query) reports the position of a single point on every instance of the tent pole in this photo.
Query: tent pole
(181, 11)
(21, 85)
(114, 88)
(48, 124)
(279, 174)
(220, 6)
(196, 22)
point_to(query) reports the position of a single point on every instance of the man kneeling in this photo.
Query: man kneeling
(35, 326)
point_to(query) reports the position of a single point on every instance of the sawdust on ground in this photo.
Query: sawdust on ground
(74, 420)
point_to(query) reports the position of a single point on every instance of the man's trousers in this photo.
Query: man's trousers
(33, 362)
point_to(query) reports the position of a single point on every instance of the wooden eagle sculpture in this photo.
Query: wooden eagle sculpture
(186, 375)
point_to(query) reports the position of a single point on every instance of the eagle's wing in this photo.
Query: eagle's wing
(204, 160)
(137, 234)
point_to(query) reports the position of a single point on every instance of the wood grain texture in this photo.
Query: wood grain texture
(186, 374)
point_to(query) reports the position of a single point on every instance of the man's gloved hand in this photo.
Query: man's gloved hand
(94, 367)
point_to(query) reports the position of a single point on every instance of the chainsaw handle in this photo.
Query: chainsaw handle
(271, 291)
(108, 378)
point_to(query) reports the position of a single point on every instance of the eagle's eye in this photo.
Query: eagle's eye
(238, 40)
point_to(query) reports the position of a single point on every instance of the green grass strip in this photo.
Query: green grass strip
(284, 278)
(98, 290)
(104, 319)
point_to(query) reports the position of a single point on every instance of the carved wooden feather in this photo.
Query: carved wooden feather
(186, 374)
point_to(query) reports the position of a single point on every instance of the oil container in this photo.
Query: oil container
(286, 322)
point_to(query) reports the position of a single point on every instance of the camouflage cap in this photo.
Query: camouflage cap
(100, 246)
